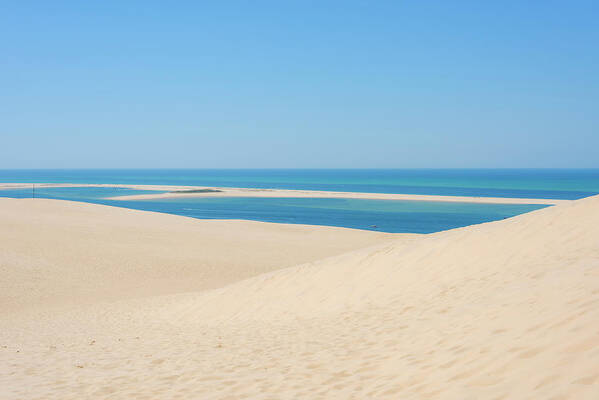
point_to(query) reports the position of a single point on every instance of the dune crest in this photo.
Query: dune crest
(503, 310)
(56, 252)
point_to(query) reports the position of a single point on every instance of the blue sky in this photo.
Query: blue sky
(299, 84)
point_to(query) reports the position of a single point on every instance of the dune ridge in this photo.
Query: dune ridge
(55, 251)
(502, 310)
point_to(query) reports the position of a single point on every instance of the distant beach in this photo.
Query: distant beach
(561, 184)
(167, 192)
(370, 211)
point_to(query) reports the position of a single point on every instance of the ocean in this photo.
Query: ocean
(381, 215)
(527, 183)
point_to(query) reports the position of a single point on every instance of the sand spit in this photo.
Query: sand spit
(186, 192)
(503, 310)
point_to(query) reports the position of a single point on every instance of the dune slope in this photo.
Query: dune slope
(56, 252)
(504, 310)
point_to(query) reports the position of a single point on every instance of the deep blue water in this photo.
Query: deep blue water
(523, 183)
(381, 215)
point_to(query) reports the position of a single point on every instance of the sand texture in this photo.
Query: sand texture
(60, 252)
(502, 310)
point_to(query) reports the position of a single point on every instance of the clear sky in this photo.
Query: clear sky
(299, 84)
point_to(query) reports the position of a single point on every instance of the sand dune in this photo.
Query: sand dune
(503, 310)
(58, 252)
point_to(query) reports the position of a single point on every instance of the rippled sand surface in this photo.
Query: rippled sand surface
(101, 302)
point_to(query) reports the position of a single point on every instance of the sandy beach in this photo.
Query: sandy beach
(108, 303)
(169, 192)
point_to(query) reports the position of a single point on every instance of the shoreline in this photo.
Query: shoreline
(104, 301)
(168, 193)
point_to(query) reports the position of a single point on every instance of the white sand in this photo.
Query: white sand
(504, 310)
(170, 192)
(56, 251)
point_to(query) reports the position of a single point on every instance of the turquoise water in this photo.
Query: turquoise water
(73, 193)
(379, 215)
(383, 215)
(523, 183)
